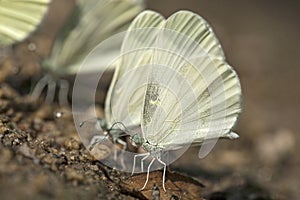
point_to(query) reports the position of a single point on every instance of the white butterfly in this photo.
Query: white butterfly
(173, 81)
(19, 18)
(90, 23)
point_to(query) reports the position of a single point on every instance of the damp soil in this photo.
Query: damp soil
(42, 157)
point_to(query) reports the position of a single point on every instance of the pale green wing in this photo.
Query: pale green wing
(198, 30)
(94, 21)
(183, 32)
(197, 96)
(18, 18)
(126, 93)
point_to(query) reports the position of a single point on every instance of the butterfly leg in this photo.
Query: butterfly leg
(142, 162)
(41, 84)
(134, 160)
(95, 140)
(148, 171)
(115, 149)
(124, 146)
(63, 92)
(51, 90)
(164, 173)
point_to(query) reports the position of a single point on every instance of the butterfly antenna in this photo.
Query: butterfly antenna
(85, 121)
(125, 128)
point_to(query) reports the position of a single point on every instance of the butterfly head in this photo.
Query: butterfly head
(137, 140)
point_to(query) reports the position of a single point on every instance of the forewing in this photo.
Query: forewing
(19, 18)
(200, 98)
(127, 90)
(198, 32)
(95, 21)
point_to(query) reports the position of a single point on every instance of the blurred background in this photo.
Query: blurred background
(261, 41)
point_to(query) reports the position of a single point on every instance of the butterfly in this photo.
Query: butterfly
(174, 82)
(90, 23)
(19, 18)
(172, 88)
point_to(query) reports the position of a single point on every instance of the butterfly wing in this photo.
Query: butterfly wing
(125, 96)
(196, 95)
(19, 18)
(94, 22)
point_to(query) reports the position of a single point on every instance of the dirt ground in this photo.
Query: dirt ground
(42, 157)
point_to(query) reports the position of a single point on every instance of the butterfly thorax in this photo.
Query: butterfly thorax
(154, 150)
